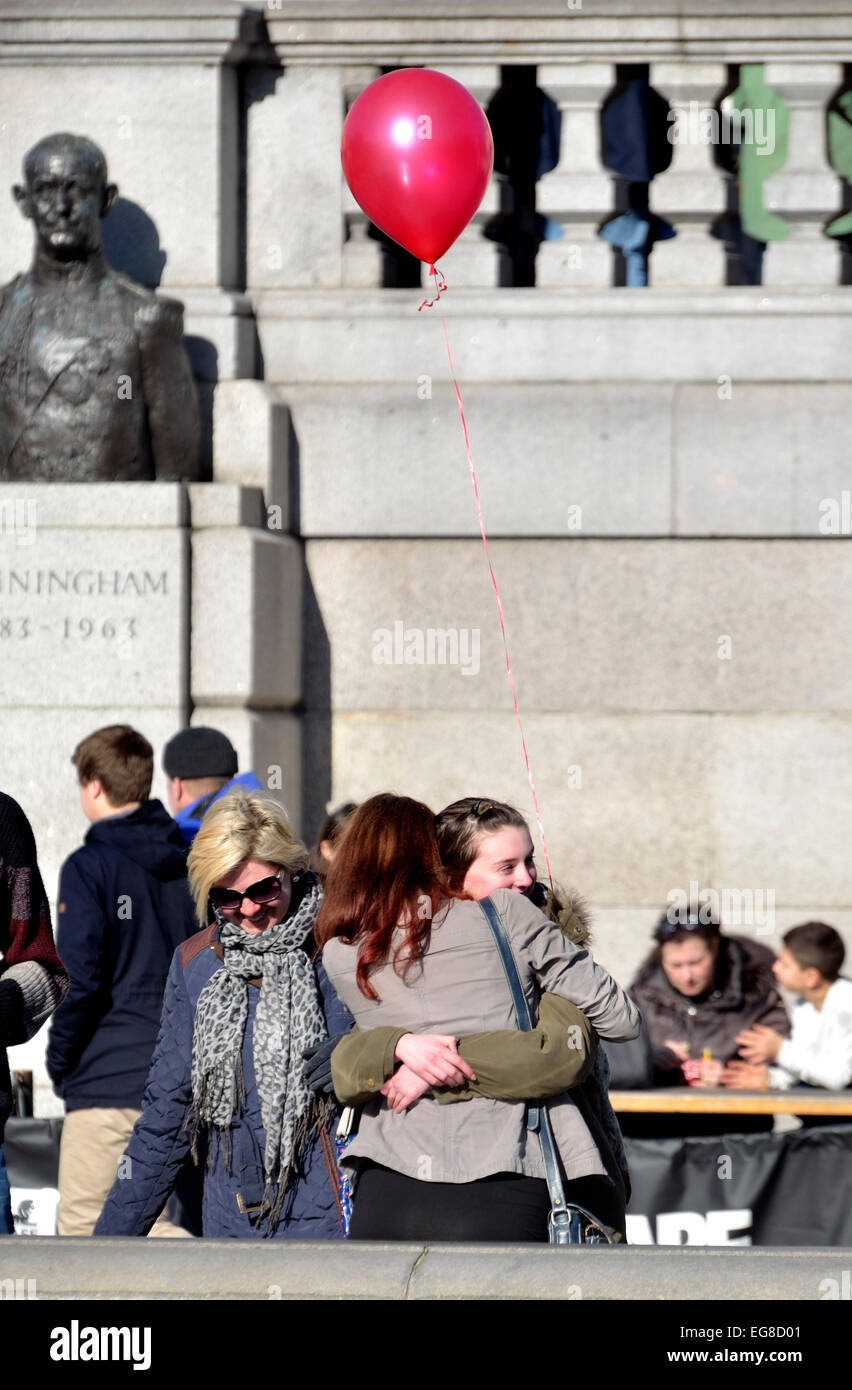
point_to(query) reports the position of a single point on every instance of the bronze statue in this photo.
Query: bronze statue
(95, 383)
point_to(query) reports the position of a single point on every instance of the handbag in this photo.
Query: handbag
(568, 1223)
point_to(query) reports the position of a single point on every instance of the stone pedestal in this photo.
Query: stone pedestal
(94, 629)
(246, 634)
(131, 603)
(294, 144)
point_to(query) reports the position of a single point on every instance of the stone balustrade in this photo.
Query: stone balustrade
(692, 57)
(267, 89)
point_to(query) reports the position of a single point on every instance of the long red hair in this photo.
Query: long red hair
(386, 872)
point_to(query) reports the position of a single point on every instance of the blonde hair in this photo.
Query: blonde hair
(242, 825)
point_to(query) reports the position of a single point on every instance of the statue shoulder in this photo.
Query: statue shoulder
(154, 315)
(12, 288)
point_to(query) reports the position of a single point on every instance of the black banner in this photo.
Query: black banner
(793, 1188)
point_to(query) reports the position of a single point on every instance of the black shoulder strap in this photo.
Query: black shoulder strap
(525, 1023)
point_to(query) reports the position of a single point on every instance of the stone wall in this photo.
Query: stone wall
(663, 471)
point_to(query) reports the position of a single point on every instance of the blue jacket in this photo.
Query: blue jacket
(124, 905)
(190, 818)
(161, 1139)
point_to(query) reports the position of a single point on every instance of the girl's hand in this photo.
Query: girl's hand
(434, 1057)
(711, 1072)
(403, 1089)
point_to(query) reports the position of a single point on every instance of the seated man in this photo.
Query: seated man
(819, 1052)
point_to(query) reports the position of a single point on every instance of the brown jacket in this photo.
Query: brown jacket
(743, 993)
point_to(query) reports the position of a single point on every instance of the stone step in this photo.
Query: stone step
(720, 457)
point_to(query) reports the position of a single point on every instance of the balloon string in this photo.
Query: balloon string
(440, 284)
(498, 600)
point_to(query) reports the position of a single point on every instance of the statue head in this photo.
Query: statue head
(66, 194)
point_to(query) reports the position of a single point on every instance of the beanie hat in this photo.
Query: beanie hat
(199, 752)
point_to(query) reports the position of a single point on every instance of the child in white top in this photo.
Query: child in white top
(819, 1051)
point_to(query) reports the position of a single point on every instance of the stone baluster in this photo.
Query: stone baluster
(691, 193)
(806, 191)
(578, 193)
(473, 261)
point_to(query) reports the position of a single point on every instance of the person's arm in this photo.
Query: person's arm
(508, 1064)
(779, 1079)
(828, 1064)
(562, 968)
(33, 980)
(745, 1076)
(338, 1021)
(161, 1136)
(80, 941)
(773, 1014)
(631, 1064)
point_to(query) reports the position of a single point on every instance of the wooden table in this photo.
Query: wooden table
(695, 1100)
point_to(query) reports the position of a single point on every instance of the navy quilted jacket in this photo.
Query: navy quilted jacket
(160, 1141)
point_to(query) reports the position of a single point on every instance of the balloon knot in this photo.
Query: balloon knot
(440, 284)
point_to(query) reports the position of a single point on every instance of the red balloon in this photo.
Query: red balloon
(417, 154)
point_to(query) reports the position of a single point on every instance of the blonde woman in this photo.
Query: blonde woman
(243, 1002)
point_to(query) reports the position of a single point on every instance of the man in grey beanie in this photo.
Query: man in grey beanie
(201, 765)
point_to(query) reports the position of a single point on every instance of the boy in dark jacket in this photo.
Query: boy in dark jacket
(124, 907)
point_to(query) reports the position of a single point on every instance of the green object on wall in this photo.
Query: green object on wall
(840, 154)
(764, 119)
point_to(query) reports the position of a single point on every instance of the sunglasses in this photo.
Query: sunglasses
(665, 930)
(265, 891)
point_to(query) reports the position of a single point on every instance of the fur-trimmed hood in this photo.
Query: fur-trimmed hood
(567, 908)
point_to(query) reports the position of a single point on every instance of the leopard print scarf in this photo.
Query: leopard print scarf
(288, 1019)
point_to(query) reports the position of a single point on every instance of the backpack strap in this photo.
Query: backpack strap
(197, 943)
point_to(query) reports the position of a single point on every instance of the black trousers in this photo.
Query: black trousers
(505, 1207)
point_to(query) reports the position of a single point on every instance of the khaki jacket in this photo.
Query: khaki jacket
(558, 1054)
